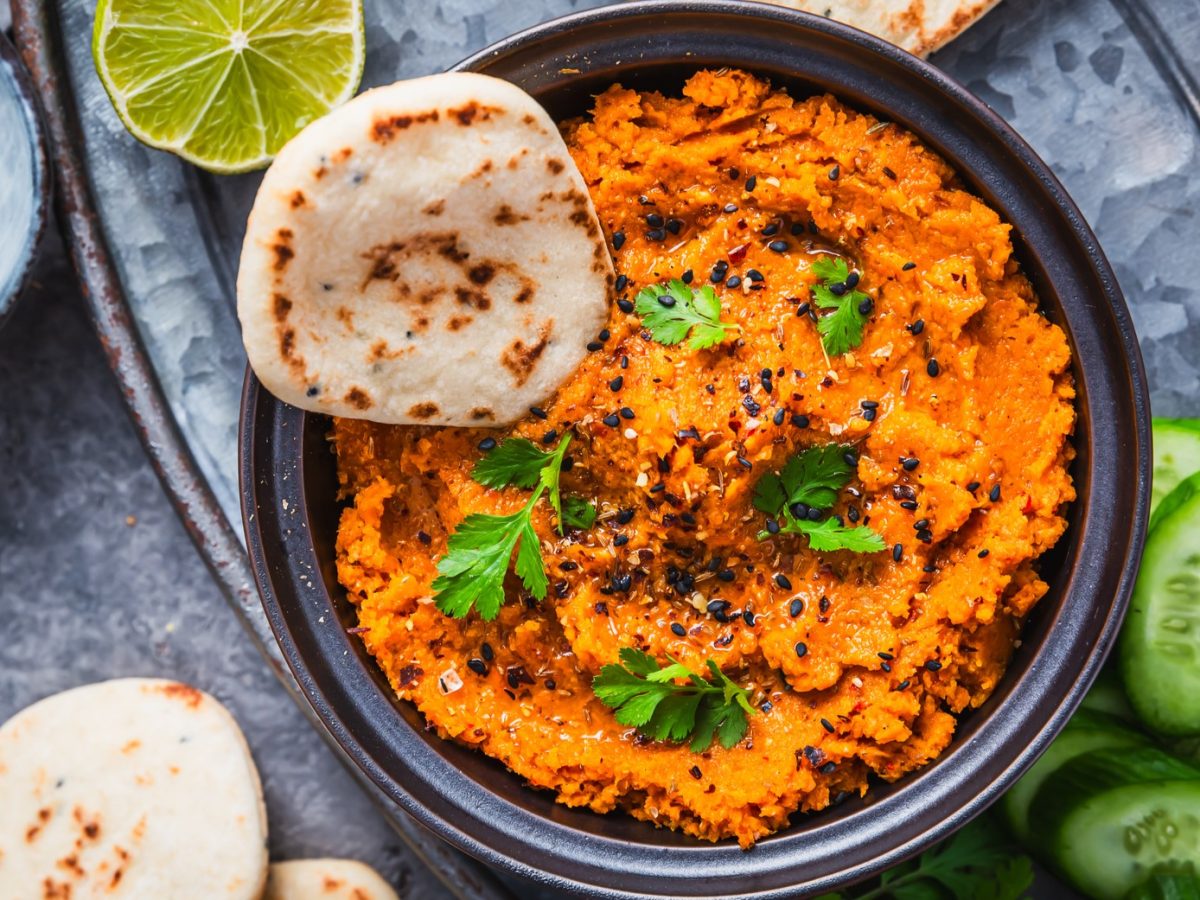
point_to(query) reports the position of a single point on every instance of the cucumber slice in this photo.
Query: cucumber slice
(1107, 695)
(1167, 887)
(1088, 730)
(1176, 455)
(1111, 818)
(1160, 641)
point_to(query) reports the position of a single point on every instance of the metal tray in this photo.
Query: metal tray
(1107, 91)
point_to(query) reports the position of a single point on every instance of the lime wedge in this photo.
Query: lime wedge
(226, 83)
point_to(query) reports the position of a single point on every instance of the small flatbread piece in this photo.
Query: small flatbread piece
(428, 253)
(133, 789)
(919, 26)
(326, 879)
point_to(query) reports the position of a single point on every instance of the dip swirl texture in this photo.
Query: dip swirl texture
(959, 404)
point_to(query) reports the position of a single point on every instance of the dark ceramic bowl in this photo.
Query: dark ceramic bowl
(24, 177)
(288, 486)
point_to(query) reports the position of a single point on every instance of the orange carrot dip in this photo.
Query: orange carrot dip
(962, 445)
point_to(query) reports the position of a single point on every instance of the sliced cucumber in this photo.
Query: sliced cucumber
(1160, 641)
(1111, 818)
(1107, 695)
(1180, 886)
(1088, 730)
(1176, 455)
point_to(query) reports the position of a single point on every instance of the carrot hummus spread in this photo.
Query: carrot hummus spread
(956, 407)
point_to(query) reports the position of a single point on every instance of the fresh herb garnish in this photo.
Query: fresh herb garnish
(471, 573)
(841, 331)
(645, 695)
(671, 311)
(977, 862)
(811, 480)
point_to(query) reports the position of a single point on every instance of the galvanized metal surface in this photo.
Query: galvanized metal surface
(1105, 90)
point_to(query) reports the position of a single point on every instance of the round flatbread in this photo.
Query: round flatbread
(428, 253)
(919, 26)
(134, 788)
(326, 879)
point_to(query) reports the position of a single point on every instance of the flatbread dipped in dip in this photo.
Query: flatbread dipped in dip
(426, 254)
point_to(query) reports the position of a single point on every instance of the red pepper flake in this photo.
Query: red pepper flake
(738, 253)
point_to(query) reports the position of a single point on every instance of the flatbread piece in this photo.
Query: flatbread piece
(326, 879)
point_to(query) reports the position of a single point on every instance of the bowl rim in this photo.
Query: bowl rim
(581, 865)
(35, 141)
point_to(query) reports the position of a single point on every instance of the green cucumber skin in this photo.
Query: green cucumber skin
(1088, 730)
(1167, 887)
(1176, 455)
(1107, 695)
(1161, 668)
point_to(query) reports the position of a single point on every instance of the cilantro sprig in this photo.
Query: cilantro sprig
(811, 480)
(977, 862)
(648, 697)
(841, 330)
(471, 573)
(673, 310)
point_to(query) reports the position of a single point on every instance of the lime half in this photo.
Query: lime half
(226, 83)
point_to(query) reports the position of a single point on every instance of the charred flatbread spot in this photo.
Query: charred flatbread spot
(358, 398)
(184, 693)
(436, 208)
(477, 299)
(457, 323)
(482, 413)
(283, 249)
(506, 216)
(379, 350)
(298, 200)
(385, 128)
(555, 165)
(423, 411)
(524, 295)
(344, 154)
(482, 273)
(471, 111)
(346, 317)
(450, 250)
(282, 306)
(528, 119)
(521, 359)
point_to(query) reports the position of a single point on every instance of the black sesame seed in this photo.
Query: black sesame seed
(908, 504)
(771, 230)
(994, 493)
(778, 246)
(726, 575)
(933, 368)
(715, 606)
(814, 515)
(734, 173)
(695, 772)
(929, 569)
(902, 685)
(882, 654)
(852, 280)
(983, 553)
(622, 282)
(656, 234)
(889, 173)
(803, 308)
(687, 276)
(550, 437)
(710, 388)
(313, 391)
(838, 289)
(487, 444)
(850, 458)
(624, 362)
(678, 629)
(799, 510)
(802, 650)
(834, 173)
(717, 275)
(751, 183)
(478, 666)
(766, 382)
(925, 536)
(617, 383)
(748, 618)
(898, 552)
(733, 282)
(674, 226)
(917, 327)
(887, 667)
(828, 768)
(752, 405)
(973, 486)
(551, 684)
(933, 665)
(658, 488)
(800, 421)
(666, 300)
(538, 412)
(827, 726)
(593, 346)
(910, 463)
(622, 582)
(778, 417)
(618, 239)
(730, 207)
(625, 305)
(624, 516)
(626, 412)
(424, 538)
(921, 524)
(620, 540)
(865, 306)
(869, 404)
(611, 420)
(852, 513)
(487, 652)
(754, 275)
(745, 463)
(824, 605)
(908, 266)
(605, 334)
(796, 607)
(783, 582)
(772, 526)
(869, 414)
(654, 220)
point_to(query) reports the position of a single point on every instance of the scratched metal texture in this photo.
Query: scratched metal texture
(1105, 90)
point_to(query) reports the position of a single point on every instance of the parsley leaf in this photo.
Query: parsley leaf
(472, 571)
(977, 862)
(647, 696)
(813, 478)
(673, 310)
(841, 330)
